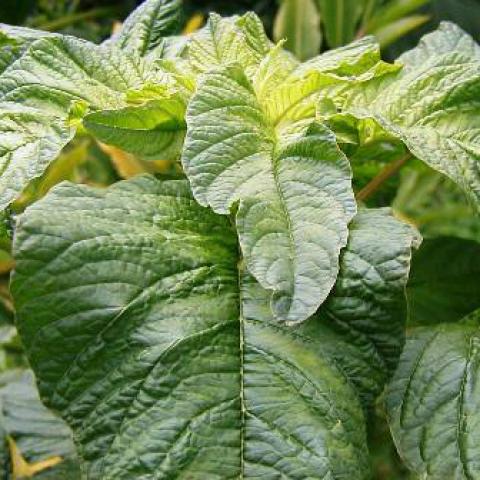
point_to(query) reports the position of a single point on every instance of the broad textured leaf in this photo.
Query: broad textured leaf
(223, 41)
(298, 22)
(37, 432)
(154, 129)
(444, 285)
(432, 105)
(37, 92)
(167, 361)
(55, 71)
(295, 192)
(433, 401)
(146, 26)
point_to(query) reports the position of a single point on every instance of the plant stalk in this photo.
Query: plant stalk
(391, 169)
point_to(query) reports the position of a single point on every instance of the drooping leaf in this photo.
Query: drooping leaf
(298, 22)
(184, 371)
(444, 285)
(431, 104)
(146, 26)
(295, 192)
(154, 129)
(41, 441)
(433, 401)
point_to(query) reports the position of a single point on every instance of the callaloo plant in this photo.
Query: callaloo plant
(238, 317)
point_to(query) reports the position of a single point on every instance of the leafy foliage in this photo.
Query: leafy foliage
(238, 315)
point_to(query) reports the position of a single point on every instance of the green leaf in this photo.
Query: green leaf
(37, 92)
(299, 23)
(223, 41)
(145, 27)
(294, 191)
(340, 19)
(154, 129)
(433, 401)
(431, 105)
(184, 371)
(29, 140)
(444, 286)
(37, 432)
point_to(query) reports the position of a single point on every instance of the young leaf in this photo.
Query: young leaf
(444, 286)
(295, 192)
(223, 41)
(146, 26)
(184, 371)
(433, 401)
(299, 23)
(432, 105)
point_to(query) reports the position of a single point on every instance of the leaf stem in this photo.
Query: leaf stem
(391, 169)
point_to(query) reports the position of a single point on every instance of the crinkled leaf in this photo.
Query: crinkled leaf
(444, 285)
(55, 71)
(38, 433)
(29, 140)
(146, 26)
(433, 401)
(154, 129)
(37, 92)
(295, 192)
(167, 361)
(432, 105)
(223, 41)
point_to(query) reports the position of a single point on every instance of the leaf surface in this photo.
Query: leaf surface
(432, 104)
(433, 401)
(294, 192)
(184, 371)
(145, 27)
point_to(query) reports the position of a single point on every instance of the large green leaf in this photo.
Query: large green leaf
(298, 22)
(444, 285)
(432, 104)
(146, 26)
(37, 92)
(166, 360)
(37, 432)
(434, 401)
(294, 191)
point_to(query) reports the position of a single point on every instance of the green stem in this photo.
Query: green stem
(377, 181)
